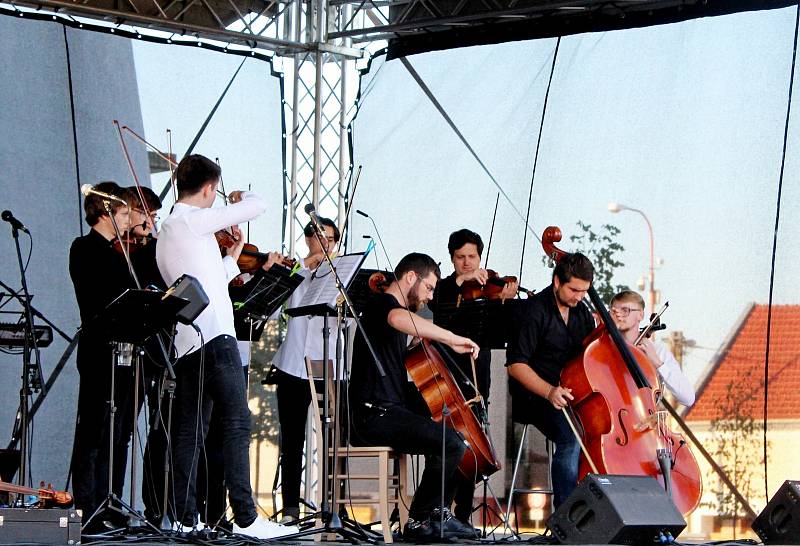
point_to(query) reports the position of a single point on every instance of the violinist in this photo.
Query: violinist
(627, 310)
(303, 339)
(383, 409)
(143, 231)
(209, 368)
(551, 327)
(466, 248)
(99, 274)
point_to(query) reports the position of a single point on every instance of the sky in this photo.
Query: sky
(682, 121)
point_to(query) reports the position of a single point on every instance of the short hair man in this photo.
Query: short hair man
(551, 329)
(382, 413)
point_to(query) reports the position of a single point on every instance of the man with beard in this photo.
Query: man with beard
(382, 407)
(550, 331)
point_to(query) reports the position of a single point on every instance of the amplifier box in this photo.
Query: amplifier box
(39, 525)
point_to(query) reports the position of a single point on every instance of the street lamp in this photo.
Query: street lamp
(617, 207)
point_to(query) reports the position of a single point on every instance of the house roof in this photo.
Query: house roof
(736, 373)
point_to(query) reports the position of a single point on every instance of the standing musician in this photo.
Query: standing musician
(627, 310)
(99, 274)
(466, 249)
(209, 369)
(382, 409)
(303, 339)
(551, 329)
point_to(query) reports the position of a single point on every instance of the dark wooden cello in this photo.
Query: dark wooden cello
(616, 393)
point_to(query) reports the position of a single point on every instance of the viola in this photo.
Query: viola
(492, 290)
(46, 495)
(131, 243)
(615, 397)
(250, 260)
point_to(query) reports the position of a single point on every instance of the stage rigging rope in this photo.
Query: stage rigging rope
(775, 246)
(74, 130)
(536, 156)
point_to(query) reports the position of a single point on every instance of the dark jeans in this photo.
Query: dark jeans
(216, 383)
(407, 432)
(211, 486)
(156, 457)
(552, 423)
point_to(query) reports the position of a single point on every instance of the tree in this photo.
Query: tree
(602, 249)
(265, 420)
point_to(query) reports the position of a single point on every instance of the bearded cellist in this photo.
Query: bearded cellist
(382, 408)
(550, 332)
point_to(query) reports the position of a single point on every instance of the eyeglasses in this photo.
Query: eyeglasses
(429, 287)
(624, 311)
(153, 216)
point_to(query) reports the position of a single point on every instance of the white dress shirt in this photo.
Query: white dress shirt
(304, 337)
(672, 375)
(186, 245)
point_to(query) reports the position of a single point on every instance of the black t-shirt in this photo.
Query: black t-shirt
(542, 339)
(366, 384)
(99, 274)
(144, 262)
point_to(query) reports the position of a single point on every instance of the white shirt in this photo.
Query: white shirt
(304, 337)
(672, 375)
(186, 245)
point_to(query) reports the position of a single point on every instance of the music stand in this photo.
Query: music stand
(259, 298)
(487, 322)
(131, 318)
(325, 297)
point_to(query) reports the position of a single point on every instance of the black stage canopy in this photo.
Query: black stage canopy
(423, 25)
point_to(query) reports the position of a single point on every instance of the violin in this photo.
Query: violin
(615, 397)
(250, 260)
(46, 495)
(131, 243)
(492, 290)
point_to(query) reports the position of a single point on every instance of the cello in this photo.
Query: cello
(616, 391)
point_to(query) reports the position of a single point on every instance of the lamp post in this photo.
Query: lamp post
(617, 207)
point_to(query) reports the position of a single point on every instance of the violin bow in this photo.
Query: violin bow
(491, 232)
(130, 166)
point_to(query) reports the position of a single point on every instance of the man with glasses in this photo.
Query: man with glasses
(383, 406)
(550, 331)
(627, 310)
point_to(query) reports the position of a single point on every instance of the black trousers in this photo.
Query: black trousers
(211, 379)
(408, 432)
(90, 450)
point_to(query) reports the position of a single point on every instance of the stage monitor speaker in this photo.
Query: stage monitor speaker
(189, 288)
(609, 509)
(779, 521)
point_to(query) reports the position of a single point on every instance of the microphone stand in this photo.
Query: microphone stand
(31, 371)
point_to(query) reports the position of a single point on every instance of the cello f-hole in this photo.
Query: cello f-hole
(622, 441)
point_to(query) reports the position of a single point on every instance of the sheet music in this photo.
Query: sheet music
(322, 288)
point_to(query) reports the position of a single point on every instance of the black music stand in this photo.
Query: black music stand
(131, 318)
(487, 322)
(326, 297)
(259, 298)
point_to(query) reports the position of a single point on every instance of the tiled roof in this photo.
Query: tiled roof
(738, 368)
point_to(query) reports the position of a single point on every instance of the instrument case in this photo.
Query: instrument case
(39, 525)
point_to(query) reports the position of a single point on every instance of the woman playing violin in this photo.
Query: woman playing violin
(382, 409)
(627, 310)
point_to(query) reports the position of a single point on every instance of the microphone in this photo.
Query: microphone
(16, 224)
(311, 211)
(362, 213)
(88, 189)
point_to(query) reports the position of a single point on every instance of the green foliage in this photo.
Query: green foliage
(603, 250)
(265, 420)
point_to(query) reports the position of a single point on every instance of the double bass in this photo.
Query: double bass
(615, 391)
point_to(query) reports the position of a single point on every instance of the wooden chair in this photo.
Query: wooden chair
(380, 468)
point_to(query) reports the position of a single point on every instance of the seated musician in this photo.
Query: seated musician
(627, 310)
(551, 328)
(381, 407)
(99, 274)
(466, 248)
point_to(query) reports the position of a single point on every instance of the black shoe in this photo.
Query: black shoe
(418, 531)
(452, 527)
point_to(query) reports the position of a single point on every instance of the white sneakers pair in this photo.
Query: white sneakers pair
(265, 528)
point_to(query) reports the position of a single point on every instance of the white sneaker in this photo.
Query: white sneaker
(264, 528)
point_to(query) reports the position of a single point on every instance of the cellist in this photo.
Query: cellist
(550, 332)
(382, 409)
(627, 310)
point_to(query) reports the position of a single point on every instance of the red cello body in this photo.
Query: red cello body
(429, 373)
(621, 423)
(615, 391)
